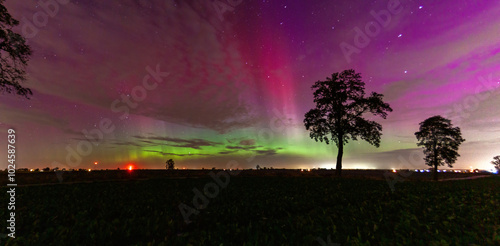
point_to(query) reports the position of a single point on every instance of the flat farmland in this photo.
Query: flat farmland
(246, 209)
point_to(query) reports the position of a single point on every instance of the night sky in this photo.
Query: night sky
(206, 83)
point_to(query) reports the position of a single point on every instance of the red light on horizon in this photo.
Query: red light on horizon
(130, 168)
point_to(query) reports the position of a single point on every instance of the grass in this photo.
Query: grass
(260, 211)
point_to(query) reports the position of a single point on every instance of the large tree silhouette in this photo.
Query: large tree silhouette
(14, 55)
(440, 141)
(338, 115)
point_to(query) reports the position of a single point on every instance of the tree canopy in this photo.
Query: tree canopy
(440, 141)
(338, 115)
(170, 164)
(14, 55)
(496, 162)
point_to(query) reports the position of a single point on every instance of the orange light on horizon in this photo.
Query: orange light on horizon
(130, 167)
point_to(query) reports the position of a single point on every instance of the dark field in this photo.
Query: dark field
(28, 178)
(142, 208)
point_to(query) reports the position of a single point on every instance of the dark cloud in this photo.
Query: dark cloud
(126, 143)
(179, 142)
(227, 152)
(266, 152)
(247, 142)
(174, 154)
(242, 147)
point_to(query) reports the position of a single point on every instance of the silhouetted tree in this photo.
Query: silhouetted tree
(170, 164)
(338, 115)
(440, 141)
(496, 162)
(257, 167)
(14, 53)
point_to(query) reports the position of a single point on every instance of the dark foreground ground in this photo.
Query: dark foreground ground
(248, 209)
(29, 178)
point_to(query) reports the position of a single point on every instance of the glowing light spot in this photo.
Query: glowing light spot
(95, 163)
(90, 170)
(130, 168)
(393, 170)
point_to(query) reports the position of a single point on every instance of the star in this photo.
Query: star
(400, 35)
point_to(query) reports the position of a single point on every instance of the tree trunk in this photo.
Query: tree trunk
(435, 161)
(435, 171)
(339, 159)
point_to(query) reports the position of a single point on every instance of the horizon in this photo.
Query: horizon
(122, 82)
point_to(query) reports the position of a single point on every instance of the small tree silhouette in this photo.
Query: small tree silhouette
(170, 164)
(440, 141)
(496, 162)
(340, 105)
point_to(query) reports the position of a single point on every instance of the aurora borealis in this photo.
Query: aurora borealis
(208, 82)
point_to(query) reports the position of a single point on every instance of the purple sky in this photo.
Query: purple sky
(239, 80)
